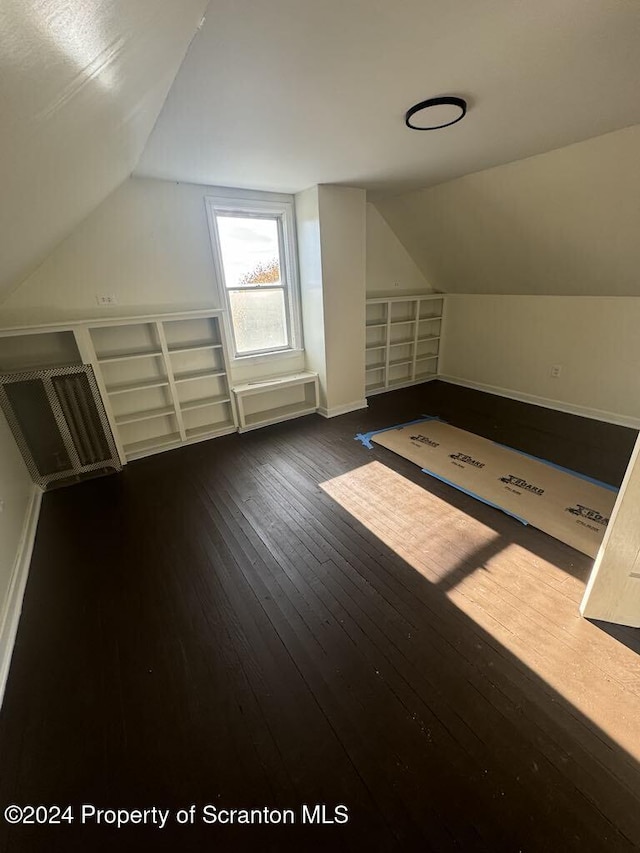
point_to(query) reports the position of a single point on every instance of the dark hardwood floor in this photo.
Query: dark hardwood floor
(286, 618)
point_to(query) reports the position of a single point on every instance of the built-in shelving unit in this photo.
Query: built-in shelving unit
(165, 381)
(163, 378)
(403, 335)
(280, 398)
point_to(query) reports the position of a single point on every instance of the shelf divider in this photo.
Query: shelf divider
(144, 415)
(172, 383)
(197, 374)
(202, 345)
(203, 403)
(128, 356)
(212, 429)
(125, 388)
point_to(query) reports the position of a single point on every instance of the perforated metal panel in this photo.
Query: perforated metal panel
(59, 423)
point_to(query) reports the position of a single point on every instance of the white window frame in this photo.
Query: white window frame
(285, 213)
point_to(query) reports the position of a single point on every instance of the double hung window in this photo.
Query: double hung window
(255, 258)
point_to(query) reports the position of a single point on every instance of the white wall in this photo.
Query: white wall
(148, 245)
(508, 344)
(16, 488)
(16, 492)
(310, 270)
(389, 265)
(343, 246)
(564, 222)
(613, 591)
(331, 225)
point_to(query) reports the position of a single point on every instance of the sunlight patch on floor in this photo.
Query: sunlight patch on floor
(394, 509)
(528, 604)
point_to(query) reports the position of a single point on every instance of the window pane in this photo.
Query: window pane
(259, 319)
(250, 250)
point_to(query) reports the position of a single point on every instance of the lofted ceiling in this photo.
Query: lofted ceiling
(81, 85)
(283, 95)
(565, 222)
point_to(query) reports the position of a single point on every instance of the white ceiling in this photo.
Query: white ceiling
(286, 94)
(81, 85)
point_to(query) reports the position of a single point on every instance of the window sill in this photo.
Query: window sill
(265, 358)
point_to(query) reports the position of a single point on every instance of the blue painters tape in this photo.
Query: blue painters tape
(474, 496)
(365, 437)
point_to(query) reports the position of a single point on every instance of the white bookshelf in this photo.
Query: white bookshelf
(276, 399)
(165, 381)
(403, 337)
(163, 378)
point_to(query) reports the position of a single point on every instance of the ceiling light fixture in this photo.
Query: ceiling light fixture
(435, 113)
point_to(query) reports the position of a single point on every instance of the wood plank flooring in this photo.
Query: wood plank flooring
(285, 618)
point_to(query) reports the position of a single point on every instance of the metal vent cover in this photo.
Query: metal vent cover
(58, 420)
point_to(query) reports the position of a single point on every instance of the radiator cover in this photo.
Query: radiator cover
(59, 423)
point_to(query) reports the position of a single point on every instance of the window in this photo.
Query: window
(254, 252)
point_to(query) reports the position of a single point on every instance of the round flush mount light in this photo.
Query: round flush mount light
(436, 113)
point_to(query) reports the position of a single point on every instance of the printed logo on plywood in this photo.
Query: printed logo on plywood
(512, 480)
(468, 460)
(424, 440)
(589, 514)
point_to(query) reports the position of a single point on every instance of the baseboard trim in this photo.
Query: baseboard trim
(545, 402)
(12, 608)
(342, 410)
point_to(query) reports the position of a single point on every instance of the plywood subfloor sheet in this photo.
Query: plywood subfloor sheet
(568, 506)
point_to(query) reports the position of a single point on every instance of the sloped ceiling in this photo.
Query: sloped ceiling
(286, 94)
(81, 85)
(564, 222)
